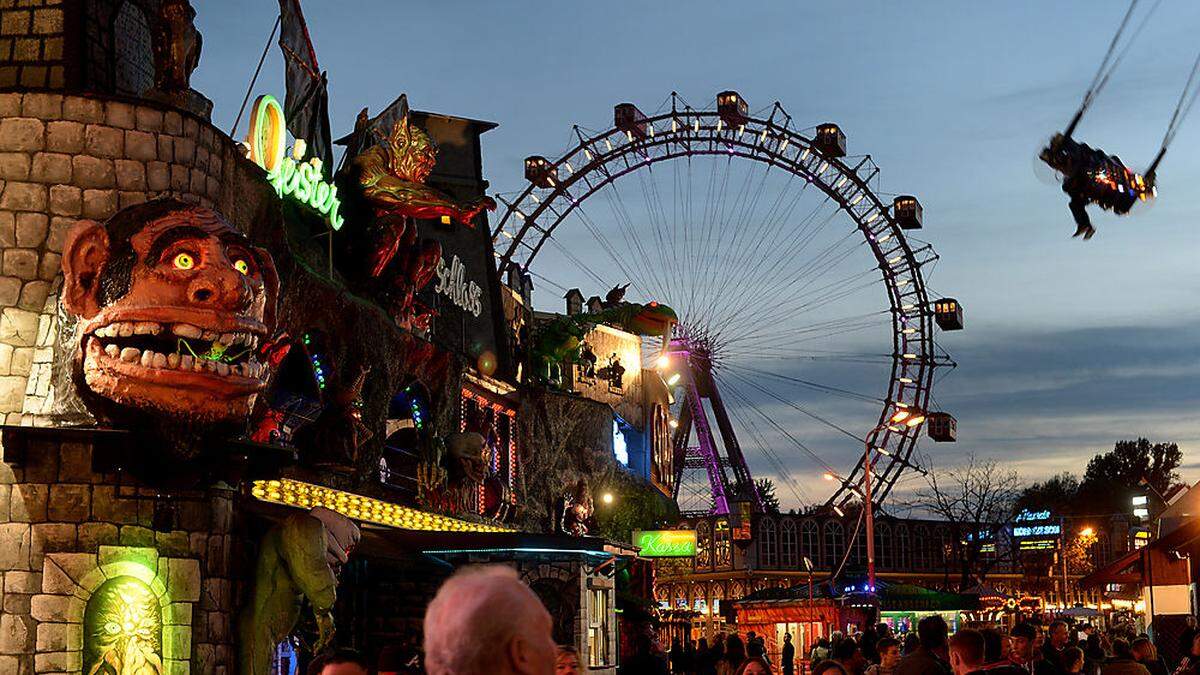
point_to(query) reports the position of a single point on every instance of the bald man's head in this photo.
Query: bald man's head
(485, 621)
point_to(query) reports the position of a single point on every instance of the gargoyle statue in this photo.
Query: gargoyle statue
(300, 558)
(170, 304)
(392, 175)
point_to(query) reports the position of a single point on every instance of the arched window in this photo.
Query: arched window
(133, 60)
(835, 543)
(810, 541)
(788, 542)
(738, 591)
(903, 556)
(883, 546)
(721, 547)
(921, 550)
(768, 544)
(703, 546)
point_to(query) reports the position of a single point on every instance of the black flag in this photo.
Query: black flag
(306, 105)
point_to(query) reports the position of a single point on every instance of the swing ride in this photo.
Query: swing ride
(1091, 176)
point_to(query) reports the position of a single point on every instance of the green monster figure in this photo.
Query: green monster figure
(558, 341)
(299, 558)
(123, 630)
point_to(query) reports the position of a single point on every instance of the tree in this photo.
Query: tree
(766, 492)
(1057, 494)
(977, 500)
(1112, 478)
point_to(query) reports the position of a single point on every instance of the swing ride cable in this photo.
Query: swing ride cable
(1187, 98)
(1109, 65)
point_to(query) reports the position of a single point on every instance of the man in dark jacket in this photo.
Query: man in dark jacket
(924, 660)
(789, 655)
(1025, 653)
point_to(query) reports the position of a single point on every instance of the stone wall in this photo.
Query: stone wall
(65, 527)
(31, 43)
(63, 158)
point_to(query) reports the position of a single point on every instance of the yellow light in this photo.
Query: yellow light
(915, 420)
(900, 416)
(673, 380)
(299, 149)
(1087, 532)
(607, 498)
(827, 476)
(662, 362)
(674, 424)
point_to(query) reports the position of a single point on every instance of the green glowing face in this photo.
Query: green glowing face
(123, 630)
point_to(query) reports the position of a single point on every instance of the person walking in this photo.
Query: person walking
(788, 655)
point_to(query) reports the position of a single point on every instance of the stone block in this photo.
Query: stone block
(173, 543)
(59, 225)
(51, 538)
(149, 119)
(18, 544)
(93, 172)
(31, 228)
(55, 579)
(185, 150)
(104, 141)
(57, 662)
(191, 128)
(18, 325)
(65, 200)
(14, 166)
(99, 204)
(33, 297)
(15, 603)
(20, 262)
(106, 506)
(47, 21)
(75, 463)
(52, 49)
(131, 175)
(33, 76)
(8, 228)
(23, 582)
(177, 641)
(42, 106)
(134, 535)
(12, 392)
(179, 178)
(27, 49)
(50, 167)
(50, 266)
(64, 136)
(22, 360)
(56, 77)
(158, 176)
(6, 352)
(23, 197)
(70, 503)
(166, 148)
(10, 105)
(52, 637)
(183, 579)
(214, 188)
(198, 184)
(127, 199)
(94, 535)
(15, 22)
(16, 634)
(82, 109)
(118, 114)
(22, 133)
(172, 123)
(45, 607)
(141, 145)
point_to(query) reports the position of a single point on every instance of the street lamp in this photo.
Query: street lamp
(909, 417)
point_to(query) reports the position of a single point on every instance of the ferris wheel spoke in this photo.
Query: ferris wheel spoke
(768, 334)
(810, 384)
(764, 449)
(778, 427)
(799, 408)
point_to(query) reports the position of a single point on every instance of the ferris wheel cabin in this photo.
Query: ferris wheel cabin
(629, 119)
(539, 171)
(908, 212)
(830, 140)
(948, 313)
(732, 108)
(942, 426)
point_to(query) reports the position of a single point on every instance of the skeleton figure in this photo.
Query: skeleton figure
(574, 510)
(300, 559)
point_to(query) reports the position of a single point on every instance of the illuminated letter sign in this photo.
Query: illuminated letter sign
(453, 283)
(665, 543)
(302, 182)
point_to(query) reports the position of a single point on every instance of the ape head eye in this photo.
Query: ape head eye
(241, 265)
(184, 261)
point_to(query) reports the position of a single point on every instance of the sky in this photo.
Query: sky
(1070, 345)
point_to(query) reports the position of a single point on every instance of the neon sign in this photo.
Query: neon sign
(453, 283)
(665, 543)
(303, 182)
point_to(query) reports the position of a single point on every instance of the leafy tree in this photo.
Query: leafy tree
(1112, 478)
(1057, 494)
(766, 492)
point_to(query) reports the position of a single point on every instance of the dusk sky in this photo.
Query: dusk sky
(1070, 345)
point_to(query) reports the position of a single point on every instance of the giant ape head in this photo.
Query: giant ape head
(172, 302)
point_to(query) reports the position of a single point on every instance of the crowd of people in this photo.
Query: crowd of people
(486, 621)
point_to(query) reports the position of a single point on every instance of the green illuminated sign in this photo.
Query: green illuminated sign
(302, 182)
(665, 543)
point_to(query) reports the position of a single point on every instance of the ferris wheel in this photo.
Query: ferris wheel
(805, 319)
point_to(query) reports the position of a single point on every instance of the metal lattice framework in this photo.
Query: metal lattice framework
(598, 160)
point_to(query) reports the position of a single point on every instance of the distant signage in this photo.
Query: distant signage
(665, 543)
(1036, 531)
(1027, 515)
